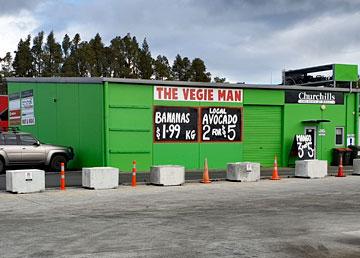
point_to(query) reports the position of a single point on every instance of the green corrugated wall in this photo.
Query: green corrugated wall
(112, 124)
(68, 114)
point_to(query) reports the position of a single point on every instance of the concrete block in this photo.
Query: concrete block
(243, 171)
(100, 178)
(25, 180)
(311, 168)
(167, 175)
(356, 167)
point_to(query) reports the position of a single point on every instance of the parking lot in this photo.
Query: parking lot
(288, 218)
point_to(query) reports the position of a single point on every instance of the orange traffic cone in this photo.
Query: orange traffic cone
(275, 174)
(341, 168)
(133, 179)
(206, 179)
(62, 176)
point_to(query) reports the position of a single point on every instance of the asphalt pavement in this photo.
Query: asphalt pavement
(73, 178)
(293, 217)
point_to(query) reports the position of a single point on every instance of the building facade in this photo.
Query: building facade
(111, 122)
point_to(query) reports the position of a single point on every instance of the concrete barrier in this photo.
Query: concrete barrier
(243, 171)
(100, 178)
(167, 175)
(356, 167)
(311, 168)
(25, 181)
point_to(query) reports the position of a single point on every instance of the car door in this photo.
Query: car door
(12, 148)
(32, 151)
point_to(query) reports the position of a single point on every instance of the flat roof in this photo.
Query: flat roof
(100, 80)
(312, 69)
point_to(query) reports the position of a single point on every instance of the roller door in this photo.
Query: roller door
(262, 134)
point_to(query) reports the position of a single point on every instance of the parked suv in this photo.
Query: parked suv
(20, 148)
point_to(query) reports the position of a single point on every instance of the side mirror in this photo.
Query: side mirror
(36, 143)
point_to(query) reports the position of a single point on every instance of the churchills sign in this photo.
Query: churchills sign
(313, 97)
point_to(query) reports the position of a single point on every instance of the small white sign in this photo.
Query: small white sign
(28, 176)
(350, 139)
(248, 167)
(322, 132)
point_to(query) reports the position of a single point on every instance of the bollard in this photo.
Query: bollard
(133, 179)
(62, 176)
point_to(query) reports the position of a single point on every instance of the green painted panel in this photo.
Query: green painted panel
(67, 106)
(219, 154)
(129, 126)
(46, 113)
(184, 154)
(350, 113)
(263, 97)
(346, 72)
(71, 115)
(262, 134)
(123, 161)
(130, 118)
(130, 94)
(336, 114)
(91, 125)
(130, 141)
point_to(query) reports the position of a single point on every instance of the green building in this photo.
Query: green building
(111, 122)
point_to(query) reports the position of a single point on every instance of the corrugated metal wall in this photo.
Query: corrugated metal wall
(262, 134)
(68, 114)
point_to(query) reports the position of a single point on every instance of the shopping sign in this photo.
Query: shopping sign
(313, 97)
(198, 94)
(303, 147)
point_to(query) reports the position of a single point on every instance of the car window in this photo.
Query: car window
(10, 139)
(27, 140)
(2, 140)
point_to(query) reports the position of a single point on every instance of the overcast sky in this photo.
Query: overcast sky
(242, 40)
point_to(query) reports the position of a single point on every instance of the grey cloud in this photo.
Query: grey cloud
(246, 40)
(9, 7)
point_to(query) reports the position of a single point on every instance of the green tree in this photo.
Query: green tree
(37, 52)
(71, 65)
(66, 44)
(23, 59)
(84, 59)
(52, 56)
(181, 69)
(145, 61)
(162, 69)
(95, 57)
(131, 53)
(198, 71)
(6, 69)
(219, 80)
(119, 65)
(107, 62)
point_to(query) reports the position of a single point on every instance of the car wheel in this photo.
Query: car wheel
(55, 163)
(2, 166)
